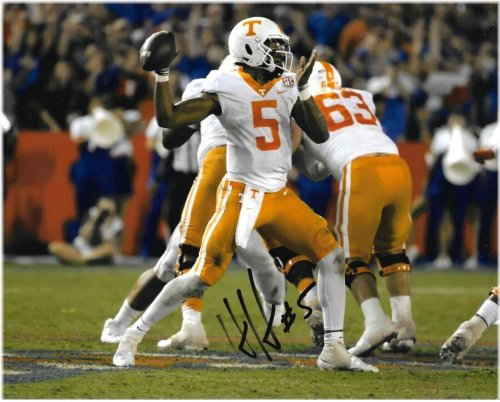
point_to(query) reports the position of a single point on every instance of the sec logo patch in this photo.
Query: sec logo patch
(288, 82)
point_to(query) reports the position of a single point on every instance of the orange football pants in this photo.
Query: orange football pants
(283, 217)
(200, 203)
(373, 206)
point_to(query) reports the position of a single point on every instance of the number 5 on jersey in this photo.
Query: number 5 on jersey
(259, 122)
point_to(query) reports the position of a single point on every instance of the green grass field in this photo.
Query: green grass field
(53, 316)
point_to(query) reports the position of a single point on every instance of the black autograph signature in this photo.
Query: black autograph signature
(288, 318)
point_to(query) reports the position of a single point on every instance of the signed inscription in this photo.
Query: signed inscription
(269, 338)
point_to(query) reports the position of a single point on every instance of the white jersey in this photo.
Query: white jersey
(212, 133)
(257, 120)
(354, 129)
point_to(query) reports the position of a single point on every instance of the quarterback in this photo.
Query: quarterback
(186, 239)
(255, 104)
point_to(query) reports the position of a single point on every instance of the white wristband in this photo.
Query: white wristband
(161, 78)
(304, 94)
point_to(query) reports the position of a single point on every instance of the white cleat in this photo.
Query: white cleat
(405, 339)
(334, 356)
(112, 331)
(375, 334)
(125, 354)
(192, 336)
(278, 312)
(455, 347)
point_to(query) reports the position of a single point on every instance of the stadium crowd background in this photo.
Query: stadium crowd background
(421, 61)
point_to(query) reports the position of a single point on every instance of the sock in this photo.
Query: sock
(126, 315)
(488, 312)
(401, 309)
(191, 310)
(372, 310)
(172, 295)
(331, 292)
(142, 326)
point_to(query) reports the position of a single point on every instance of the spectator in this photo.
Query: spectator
(443, 194)
(105, 165)
(57, 98)
(133, 86)
(487, 194)
(97, 240)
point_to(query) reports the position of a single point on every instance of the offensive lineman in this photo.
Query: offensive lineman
(255, 105)
(373, 207)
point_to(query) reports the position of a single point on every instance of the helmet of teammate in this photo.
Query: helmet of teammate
(260, 42)
(324, 77)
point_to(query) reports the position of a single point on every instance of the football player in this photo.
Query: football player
(373, 207)
(186, 240)
(469, 332)
(255, 104)
(200, 206)
(297, 269)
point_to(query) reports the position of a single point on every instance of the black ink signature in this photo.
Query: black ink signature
(287, 319)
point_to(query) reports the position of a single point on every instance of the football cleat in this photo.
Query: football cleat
(455, 347)
(192, 336)
(334, 356)
(375, 334)
(112, 331)
(405, 339)
(125, 354)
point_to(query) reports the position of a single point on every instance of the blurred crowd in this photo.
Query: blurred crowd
(424, 63)
(421, 60)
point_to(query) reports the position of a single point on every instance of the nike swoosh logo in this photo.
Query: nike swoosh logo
(282, 92)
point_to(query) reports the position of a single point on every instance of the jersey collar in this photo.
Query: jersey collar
(262, 90)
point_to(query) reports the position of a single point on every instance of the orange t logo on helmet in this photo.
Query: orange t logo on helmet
(250, 24)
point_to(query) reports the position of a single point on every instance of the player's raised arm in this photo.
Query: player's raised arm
(305, 111)
(156, 55)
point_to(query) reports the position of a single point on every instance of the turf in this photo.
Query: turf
(53, 317)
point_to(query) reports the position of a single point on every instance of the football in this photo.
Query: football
(158, 51)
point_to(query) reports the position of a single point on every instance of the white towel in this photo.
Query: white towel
(250, 208)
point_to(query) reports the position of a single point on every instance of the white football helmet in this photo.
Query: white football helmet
(250, 43)
(324, 77)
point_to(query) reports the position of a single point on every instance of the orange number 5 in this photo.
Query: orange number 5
(272, 124)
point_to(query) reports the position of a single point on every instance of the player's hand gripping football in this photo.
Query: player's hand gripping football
(305, 69)
(158, 51)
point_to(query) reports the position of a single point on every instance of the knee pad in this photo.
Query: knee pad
(295, 267)
(355, 268)
(187, 257)
(392, 264)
